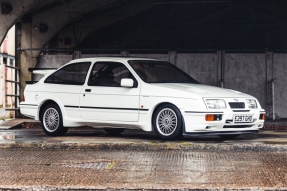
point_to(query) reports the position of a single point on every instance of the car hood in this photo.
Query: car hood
(203, 90)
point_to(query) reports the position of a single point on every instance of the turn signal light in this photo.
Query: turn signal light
(209, 117)
(262, 117)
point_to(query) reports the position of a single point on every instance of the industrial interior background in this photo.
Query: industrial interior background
(235, 44)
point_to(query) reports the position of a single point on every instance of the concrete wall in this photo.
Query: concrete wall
(245, 72)
(280, 80)
(202, 67)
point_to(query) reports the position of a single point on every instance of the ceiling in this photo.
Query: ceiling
(183, 25)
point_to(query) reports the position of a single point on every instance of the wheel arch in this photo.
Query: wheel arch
(159, 105)
(44, 104)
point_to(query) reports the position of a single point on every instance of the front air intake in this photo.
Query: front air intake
(237, 105)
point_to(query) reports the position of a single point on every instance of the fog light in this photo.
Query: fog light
(262, 117)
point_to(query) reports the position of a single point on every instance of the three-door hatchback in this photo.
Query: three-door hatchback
(152, 95)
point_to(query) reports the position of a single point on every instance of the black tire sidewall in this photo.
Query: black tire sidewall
(178, 132)
(60, 130)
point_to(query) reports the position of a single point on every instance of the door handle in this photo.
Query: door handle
(88, 90)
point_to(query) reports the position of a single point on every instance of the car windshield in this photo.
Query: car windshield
(152, 71)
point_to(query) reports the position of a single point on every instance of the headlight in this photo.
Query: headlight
(215, 104)
(251, 103)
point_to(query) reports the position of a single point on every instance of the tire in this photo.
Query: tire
(114, 131)
(52, 121)
(232, 136)
(167, 122)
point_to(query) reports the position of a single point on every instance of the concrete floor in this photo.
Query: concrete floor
(88, 158)
(51, 169)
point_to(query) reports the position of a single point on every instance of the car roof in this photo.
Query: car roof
(94, 59)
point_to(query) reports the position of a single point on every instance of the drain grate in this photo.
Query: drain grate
(90, 165)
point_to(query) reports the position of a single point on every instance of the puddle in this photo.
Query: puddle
(7, 137)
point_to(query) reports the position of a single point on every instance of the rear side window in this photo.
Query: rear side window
(72, 74)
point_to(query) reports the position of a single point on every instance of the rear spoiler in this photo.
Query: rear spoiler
(43, 71)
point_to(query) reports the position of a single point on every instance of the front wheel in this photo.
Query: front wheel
(51, 121)
(167, 122)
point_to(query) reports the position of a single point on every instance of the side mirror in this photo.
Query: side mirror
(127, 82)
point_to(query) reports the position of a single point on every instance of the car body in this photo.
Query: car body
(148, 94)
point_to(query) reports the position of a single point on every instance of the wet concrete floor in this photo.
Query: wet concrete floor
(91, 159)
(90, 135)
(136, 169)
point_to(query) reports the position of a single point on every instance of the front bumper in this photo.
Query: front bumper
(195, 122)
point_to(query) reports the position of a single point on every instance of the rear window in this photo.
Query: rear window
(72, 74)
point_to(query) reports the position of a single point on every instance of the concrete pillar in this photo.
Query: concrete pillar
(77, 54)
(221, 68)
(27, 58)
(124, 53)
(2, 80)
(172, 57)
(270, 88)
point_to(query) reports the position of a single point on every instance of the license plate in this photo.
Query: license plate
(243, 118)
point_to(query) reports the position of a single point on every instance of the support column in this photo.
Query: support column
(124, 53)
(270, 93)
(27, 58)
(3, 87)
(221, 67)
(77, 54)
(173, 57)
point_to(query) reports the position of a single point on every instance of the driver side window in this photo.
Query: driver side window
(108, 74)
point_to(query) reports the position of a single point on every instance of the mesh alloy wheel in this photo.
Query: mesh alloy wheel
(51, 119)
(166, 121)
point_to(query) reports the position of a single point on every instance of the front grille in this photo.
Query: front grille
(237, 105)
(237, 126)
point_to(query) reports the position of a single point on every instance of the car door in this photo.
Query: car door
(103, 98)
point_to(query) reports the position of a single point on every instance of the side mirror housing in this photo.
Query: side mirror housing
(127, 82)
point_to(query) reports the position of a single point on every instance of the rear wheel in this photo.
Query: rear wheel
(167, 122)
(114, 131)
(229, 136)
(51, 121)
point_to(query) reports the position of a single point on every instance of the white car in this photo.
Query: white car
(152, 95)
